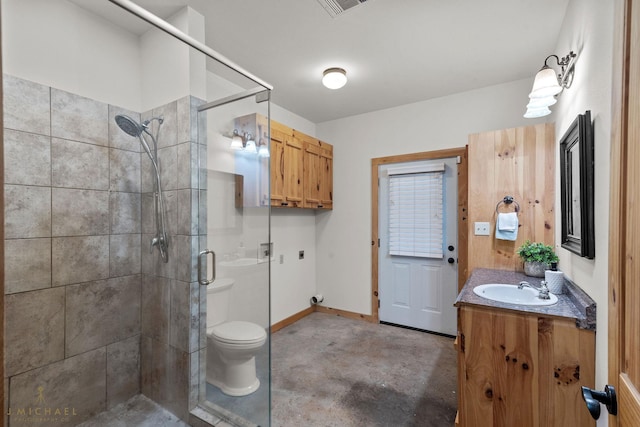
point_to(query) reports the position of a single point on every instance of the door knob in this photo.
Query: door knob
(594, 398)
(451, 248)
(451, 260)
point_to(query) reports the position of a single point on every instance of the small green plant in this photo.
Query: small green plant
(537, 252)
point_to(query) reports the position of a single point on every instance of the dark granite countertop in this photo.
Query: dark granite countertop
(574, 303)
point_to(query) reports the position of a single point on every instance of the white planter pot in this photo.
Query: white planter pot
(535, 269)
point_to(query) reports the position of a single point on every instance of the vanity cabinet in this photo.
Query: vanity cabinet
(522, 369)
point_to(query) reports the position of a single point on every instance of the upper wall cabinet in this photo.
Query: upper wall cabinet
(301, 169)
(318, 172)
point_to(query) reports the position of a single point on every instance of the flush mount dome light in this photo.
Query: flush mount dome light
(334, 78)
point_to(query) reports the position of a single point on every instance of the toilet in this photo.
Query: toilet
(231, 345)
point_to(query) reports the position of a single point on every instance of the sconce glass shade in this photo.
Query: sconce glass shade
(250, 147)
(541, 102)
(236, 141)
(533, 113)
(545, 84)
(263, 151)
(334, 78)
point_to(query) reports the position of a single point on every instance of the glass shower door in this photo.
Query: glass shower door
(235, 254)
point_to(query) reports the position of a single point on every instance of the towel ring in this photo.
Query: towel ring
(507, 201)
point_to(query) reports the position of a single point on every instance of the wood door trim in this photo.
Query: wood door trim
(618, 191)
(462, 212)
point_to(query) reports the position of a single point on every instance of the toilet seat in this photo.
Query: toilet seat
(238, 332)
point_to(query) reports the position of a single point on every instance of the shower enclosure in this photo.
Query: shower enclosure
(119, 173)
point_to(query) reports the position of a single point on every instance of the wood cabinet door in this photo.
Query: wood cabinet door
(312, 164)
(293, 172)
(277, 168)
(326, 177)
(523, 370)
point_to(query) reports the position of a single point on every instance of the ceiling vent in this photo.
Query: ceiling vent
(336, 7)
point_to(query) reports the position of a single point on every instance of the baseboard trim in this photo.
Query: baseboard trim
(344, 313)
(292, 319)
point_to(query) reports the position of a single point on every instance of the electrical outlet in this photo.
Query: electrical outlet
(281, 259)
(301, 255)
(481, 228)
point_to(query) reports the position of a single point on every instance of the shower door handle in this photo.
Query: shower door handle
(202, 267)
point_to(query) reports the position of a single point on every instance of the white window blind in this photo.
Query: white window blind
(416, 212)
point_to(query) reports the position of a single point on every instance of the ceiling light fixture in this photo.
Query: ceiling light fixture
(334, 78)
(547, 84)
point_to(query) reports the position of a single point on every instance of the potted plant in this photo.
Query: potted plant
(537, 258)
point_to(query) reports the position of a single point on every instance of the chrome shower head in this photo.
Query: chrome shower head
(129, 126)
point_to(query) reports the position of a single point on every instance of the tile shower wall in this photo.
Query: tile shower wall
(170, 322)
(92, 318)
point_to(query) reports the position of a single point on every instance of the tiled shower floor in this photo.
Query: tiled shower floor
(138, 411)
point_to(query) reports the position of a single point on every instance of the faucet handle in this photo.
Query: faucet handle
(543, 285)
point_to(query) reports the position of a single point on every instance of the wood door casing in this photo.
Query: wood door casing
(462, 213)
(624, 247)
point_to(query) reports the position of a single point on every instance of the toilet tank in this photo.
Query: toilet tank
(218, 294)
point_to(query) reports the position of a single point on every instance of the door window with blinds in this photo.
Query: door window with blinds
(416, 211)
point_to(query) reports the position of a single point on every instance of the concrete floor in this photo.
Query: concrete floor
(331, 371)
(328, 371)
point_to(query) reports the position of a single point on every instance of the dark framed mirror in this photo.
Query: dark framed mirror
(577, 187)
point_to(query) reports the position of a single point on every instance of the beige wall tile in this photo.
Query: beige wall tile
(79, 165)
(102, 312)
(79, 259)
(123, 370)
(27, 105)
(34, 329)
(79, 212)
(27, 158)
(27, 265)
(78, 118)
(77, 383)
(27, 211)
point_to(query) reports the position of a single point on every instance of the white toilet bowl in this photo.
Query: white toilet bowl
(231, 351)
(231, 345)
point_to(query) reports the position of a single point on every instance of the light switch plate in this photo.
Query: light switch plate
(481, 228)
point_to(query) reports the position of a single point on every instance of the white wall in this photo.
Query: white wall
(293, 282)
(58, 44)
(171, 69)
(588, 31)
(343, 236)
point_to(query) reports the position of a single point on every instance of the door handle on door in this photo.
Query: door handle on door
(594, 398)
(451, 260)
(202, 267)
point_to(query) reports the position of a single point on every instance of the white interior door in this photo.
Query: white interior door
(419, 291)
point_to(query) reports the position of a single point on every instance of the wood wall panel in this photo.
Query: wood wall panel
(518, 162)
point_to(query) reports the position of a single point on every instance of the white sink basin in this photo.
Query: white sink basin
(240, 262)
(512, 295)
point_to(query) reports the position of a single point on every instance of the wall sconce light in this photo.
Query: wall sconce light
(237, 143)
(334, 78)
(243, 142)
(263, 148)
(547, 84)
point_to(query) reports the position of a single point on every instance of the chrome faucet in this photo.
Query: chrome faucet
(543, 290)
